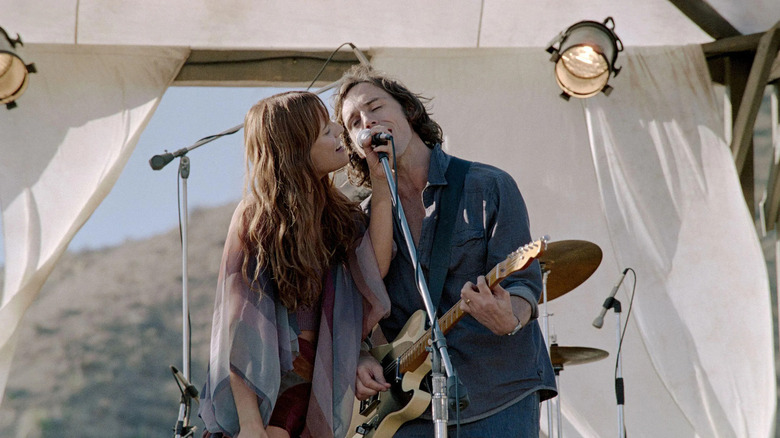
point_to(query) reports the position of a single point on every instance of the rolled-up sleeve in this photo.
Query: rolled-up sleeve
(508, 227)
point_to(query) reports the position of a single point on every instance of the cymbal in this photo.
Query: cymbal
(569, 262)
(560, 356)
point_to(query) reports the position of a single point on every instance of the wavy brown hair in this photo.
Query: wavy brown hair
(414, 106)
(294, 224)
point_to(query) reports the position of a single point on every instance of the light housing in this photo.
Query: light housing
(14, 73)
(584, 57)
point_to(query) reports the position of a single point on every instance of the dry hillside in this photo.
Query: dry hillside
(95, 348)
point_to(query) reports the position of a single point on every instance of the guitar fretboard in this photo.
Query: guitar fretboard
(412, 358)
(415, 355)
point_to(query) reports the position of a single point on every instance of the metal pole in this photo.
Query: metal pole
(437, 337)
(182, 424)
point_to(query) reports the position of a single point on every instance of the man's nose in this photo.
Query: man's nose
(368, 121)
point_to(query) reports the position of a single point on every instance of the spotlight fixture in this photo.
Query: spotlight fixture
(14, 73)
(584, 57)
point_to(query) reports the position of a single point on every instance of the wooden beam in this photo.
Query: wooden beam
(726, 46)
(717, 51)
(772, 202)
(262, 68)
(737, 72)
(707, 18)
(745, 120)
(774, 74)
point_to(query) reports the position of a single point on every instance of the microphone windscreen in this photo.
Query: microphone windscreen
(363, 136)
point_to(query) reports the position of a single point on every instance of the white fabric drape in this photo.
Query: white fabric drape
(673, 205)
(647, 176)
(62, 149)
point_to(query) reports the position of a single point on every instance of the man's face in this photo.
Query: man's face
(367, 105)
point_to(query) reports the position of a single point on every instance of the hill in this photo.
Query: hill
(94, 350)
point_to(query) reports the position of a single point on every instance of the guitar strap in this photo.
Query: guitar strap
(442, 238)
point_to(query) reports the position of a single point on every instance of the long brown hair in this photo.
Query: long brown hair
(414, 106)
(294, 223)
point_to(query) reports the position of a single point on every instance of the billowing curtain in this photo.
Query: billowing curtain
(61, 151)
(674, 206)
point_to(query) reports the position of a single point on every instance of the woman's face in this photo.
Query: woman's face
(327, 153)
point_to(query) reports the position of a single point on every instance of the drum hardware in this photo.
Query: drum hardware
(560, 356)
(565, 265)
(570, 263)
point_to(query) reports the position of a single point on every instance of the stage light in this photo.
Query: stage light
(584, 57)
(14, 74)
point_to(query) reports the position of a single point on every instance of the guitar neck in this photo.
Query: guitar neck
(412, 358)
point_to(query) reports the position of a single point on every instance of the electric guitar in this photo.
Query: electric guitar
(406, 363)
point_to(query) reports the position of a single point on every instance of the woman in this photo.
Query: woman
(296, 260)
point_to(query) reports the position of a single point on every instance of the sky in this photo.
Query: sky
(143, 202)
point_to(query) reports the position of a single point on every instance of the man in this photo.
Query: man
(498, 350)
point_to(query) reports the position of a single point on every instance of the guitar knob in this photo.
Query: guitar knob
(363, 428)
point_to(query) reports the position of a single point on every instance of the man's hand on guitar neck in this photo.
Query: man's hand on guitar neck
(494, 308)
(369, 379)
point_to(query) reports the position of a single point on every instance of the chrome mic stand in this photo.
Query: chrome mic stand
(440, 358)
(188, 391)
(619, 393)
(183, 428)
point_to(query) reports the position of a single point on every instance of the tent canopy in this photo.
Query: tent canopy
(266, 24)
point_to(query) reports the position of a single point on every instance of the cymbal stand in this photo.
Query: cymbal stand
(439, 353)
(557, 368)
(546, 317)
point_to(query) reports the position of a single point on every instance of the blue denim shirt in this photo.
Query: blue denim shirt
(492, 222)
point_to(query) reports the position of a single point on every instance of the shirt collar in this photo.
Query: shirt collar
(438, 166)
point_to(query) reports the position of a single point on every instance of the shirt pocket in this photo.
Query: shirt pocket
(468, 253)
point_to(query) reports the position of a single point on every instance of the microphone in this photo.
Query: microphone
(159, 161)
(376, 139)
(599, 321)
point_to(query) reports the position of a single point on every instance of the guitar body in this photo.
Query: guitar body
(406, 363)
(383, 414)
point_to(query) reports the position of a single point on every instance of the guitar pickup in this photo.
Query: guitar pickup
(397, 373)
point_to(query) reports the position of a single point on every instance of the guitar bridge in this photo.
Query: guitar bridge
(368, 405)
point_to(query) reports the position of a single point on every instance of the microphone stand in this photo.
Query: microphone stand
(157, 162)
(619, 389)
(182, 428)
(440, 359)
